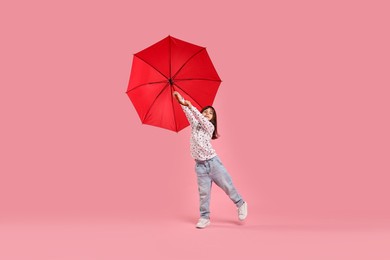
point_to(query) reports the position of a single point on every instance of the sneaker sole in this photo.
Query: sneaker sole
(242, 219)
(198, 227)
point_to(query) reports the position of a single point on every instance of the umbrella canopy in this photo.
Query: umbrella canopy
(166, 66)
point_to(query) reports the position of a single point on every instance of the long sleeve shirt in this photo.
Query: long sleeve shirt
(201, 133)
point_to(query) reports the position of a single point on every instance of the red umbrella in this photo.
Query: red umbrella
(166, 66)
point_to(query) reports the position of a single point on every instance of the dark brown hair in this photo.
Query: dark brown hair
(213, 121)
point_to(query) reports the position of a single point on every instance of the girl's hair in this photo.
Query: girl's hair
(213, 121)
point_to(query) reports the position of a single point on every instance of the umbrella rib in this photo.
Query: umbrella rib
(154, 101)
(151, 65)
(188, 95)
(170, 57)
(198, 79)
(145, 84)
(196, 53)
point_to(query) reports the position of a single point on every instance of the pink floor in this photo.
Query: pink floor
(259, 237)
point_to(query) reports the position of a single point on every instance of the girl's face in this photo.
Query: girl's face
(208, 113)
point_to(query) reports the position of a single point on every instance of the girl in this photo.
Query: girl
(208, 166)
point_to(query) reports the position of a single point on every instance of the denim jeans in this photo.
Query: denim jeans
(210, 171)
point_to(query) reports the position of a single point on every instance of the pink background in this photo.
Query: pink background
(303, 111)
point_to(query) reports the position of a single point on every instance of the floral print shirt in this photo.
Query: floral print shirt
(201, 132)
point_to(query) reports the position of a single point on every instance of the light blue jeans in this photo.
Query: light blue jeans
(210, 171)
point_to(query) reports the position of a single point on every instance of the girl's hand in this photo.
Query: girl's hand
(175, 93)
(179, 98)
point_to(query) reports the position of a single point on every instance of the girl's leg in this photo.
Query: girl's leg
(204, 188)
(222, 178)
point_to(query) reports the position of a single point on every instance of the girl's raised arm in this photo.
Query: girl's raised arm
(193, 114)
(185, 106)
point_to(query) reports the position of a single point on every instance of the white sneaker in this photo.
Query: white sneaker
(243, 211)
(202, 223)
